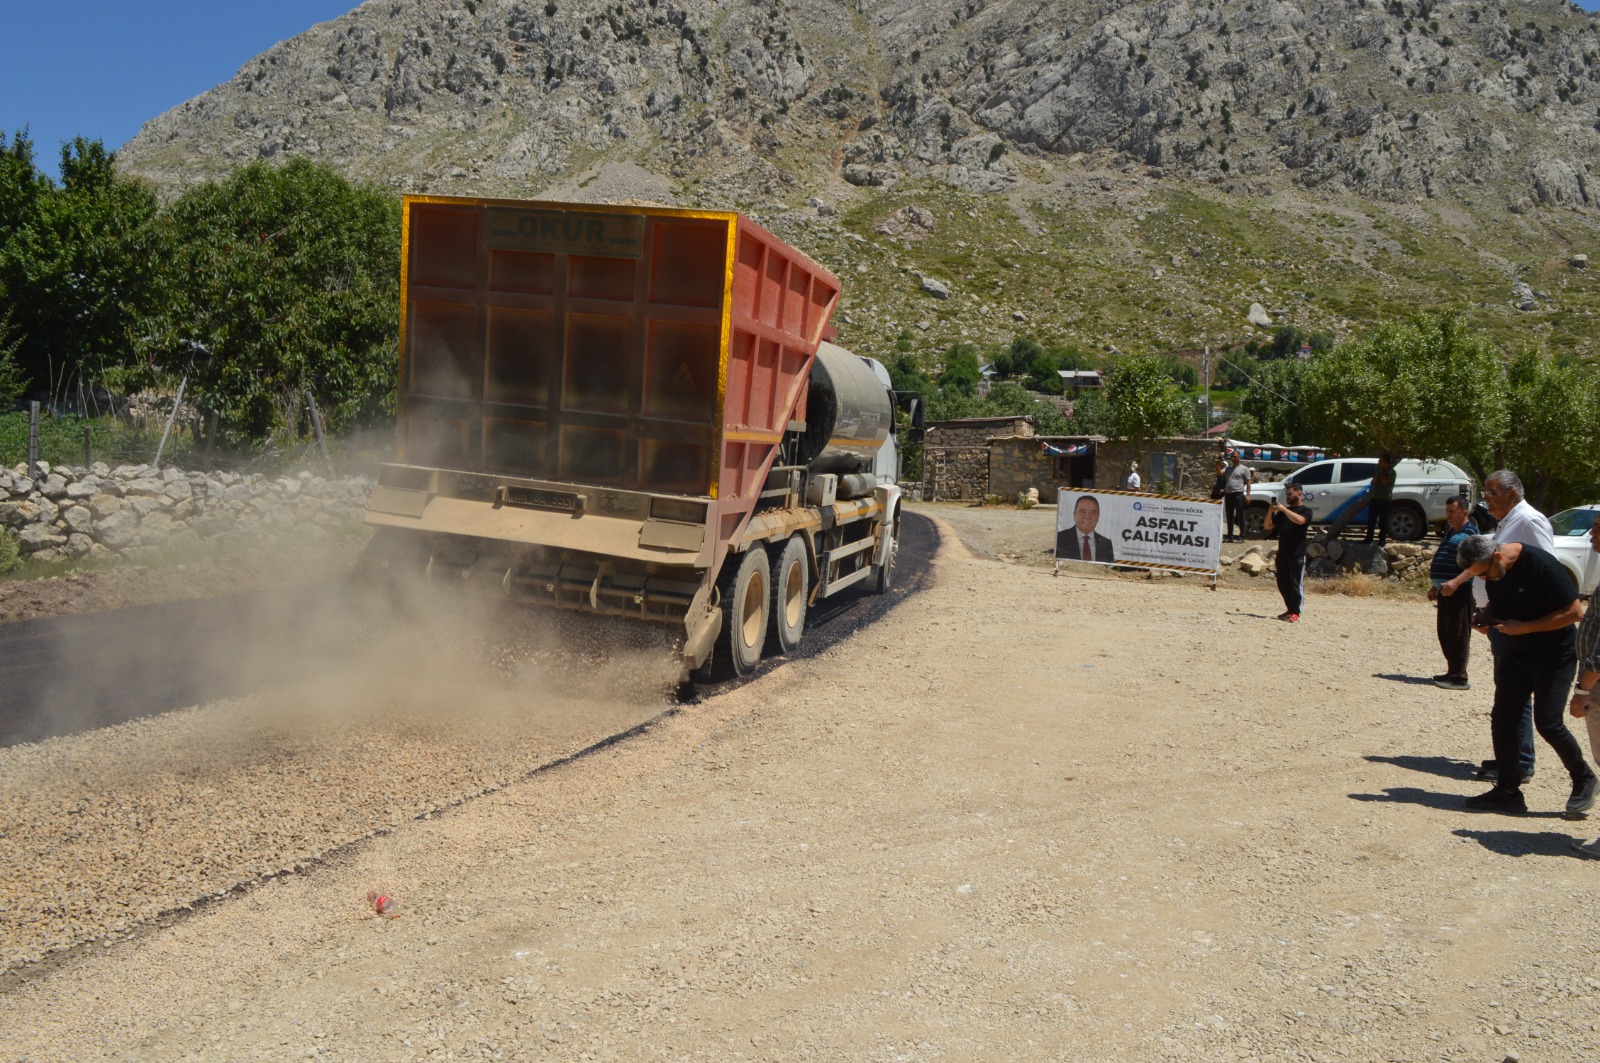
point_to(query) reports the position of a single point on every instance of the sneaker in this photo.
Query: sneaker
(1451, 683)
(1293, 618)
(1441, 677)
(1281, 616)
(1589, 849)
(1498, 800)
(1582, 799)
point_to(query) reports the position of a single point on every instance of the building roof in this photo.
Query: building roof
(1078, 374)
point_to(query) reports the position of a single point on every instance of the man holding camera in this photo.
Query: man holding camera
(1289, 523)
(1534, 607)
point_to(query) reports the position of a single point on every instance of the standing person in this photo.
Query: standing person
(1235, 496)
(1583, 695)
(1289, 523)
(1133, 476)
(1535, 607)
(1219, 485)
(1379, 497)
(1518, 522)
(1454, 620)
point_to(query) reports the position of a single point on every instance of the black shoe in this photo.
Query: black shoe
(1441, 677)
(1498, 800)
(1582, 799)
(1489, 771)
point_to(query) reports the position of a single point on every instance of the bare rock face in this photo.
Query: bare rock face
(738, 99)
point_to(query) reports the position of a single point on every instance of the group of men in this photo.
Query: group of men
(1525, 602)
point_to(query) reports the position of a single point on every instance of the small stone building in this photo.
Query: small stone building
(966, 463)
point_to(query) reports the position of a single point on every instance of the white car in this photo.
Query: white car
(1570, 530)
(1332, 487)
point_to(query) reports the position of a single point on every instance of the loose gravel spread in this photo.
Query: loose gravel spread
(1021, 817)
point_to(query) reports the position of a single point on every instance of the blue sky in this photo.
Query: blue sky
(98, 68)
(102, 68)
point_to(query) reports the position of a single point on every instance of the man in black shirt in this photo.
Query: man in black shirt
(1533, 603)
(1289, 523)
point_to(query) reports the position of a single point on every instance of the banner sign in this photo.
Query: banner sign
(1147, 531)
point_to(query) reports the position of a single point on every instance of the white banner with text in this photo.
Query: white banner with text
(1148, 531)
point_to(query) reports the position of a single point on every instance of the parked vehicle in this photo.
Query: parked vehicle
(1570, 530)
(635, 412)
(1333, 486)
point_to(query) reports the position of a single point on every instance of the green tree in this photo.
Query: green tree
(13, 381)
(1092, 416)
(275, 281)
(1552, 437)
(1426, 389)
(1270, 407)
(75, 261)
(1144, 401)
(961, 369)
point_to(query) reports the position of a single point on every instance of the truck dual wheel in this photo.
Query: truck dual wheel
(791, 588)
(746, 606)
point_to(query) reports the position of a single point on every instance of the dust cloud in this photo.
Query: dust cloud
(389, 699)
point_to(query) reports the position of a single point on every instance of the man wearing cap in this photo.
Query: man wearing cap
(1133, 476)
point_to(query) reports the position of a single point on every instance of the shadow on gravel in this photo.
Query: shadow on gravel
(1409, 680)
(1410, 795)
(1444, 767)
(1523, 843)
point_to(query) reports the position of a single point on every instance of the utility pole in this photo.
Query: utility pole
(1205, 363)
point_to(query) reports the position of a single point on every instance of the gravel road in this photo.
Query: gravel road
(1021, 816)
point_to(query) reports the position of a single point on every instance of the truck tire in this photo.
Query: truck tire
(1255, 519)
(1404, 522)
(746, 611)
(891, 531)
(791, 589)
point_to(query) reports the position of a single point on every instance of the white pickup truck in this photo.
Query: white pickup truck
(1333, 486)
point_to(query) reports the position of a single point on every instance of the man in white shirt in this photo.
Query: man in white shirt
(1519, 523)
(1133, 476)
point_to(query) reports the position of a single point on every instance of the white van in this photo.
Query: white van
(1333, 486)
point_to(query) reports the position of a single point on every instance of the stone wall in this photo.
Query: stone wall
(1196, 461)
(955, 473)
(1018, 463)
(133, 512)
(955, 455)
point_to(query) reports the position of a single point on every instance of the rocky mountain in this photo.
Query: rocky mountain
(1331, 160)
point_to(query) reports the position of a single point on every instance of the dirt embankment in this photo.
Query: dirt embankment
(1023, 816)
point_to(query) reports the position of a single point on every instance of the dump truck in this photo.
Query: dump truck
(636, 412)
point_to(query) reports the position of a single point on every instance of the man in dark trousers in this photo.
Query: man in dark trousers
(1454, 622)
(1081, 542)
(1235, 496)
(1534, 606)
(1288, 521)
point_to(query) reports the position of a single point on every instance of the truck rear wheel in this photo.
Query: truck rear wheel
(791, 588)
(746, 605)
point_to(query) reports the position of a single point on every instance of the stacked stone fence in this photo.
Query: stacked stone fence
(136, 512)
